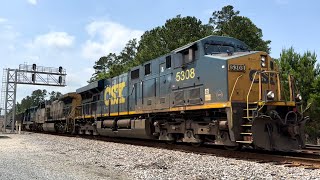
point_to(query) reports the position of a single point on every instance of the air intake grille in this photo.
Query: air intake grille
(162, 100)
(195, 93)
(179, 98)
(194, 96)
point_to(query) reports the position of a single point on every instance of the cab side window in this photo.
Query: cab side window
(189, 55)
(147, 69)
(271, 65)
(135, 74)
(168, 62)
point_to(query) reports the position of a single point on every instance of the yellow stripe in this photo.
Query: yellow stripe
(197, 107)
(204, 106)
(210, 106)
(184, 108)
(278, 103)
(88, 116)
(134, 112)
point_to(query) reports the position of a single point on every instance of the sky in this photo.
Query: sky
(75, 33)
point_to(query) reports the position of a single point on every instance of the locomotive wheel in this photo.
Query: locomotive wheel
(170, 142)
(197, 144)
(234, 148)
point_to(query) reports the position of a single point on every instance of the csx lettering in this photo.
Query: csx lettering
(184, 75)
(114, 94)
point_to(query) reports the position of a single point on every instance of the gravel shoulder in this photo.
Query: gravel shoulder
(42, 156)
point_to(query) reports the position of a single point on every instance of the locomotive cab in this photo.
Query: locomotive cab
(261, 105)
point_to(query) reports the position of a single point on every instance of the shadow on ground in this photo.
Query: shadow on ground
(4, 137)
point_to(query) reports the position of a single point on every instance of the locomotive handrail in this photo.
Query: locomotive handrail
(231, 116)
(260, 85)
(254, 77)
(290, 87)
(234, 87)
(278, 83)
(269, 72)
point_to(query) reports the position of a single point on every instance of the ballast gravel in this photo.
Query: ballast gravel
(43, 156)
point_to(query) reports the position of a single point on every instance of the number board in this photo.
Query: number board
(185, 75)
(237, 67)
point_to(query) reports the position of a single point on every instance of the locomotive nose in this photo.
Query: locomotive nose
(273, 135)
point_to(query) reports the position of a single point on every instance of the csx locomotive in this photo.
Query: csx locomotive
(214, 90)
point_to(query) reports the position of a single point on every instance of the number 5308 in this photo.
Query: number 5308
(184, 75)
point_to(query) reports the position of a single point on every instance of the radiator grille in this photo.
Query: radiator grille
(162, 100)
(179, 98)
(195, 93)
(194, 96)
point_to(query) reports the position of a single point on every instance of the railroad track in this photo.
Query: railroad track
(304, 158)
(311, 149)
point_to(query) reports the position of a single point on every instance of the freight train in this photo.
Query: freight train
(214, 90)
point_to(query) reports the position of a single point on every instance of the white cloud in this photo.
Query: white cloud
(106, 37)
(3, 20)
(33, 2)
(53, 39)
(7, 32)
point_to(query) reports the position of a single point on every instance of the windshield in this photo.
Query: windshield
(217, 49)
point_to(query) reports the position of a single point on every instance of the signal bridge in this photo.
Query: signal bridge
(26, 74)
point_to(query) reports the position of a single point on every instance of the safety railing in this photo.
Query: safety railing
(234, 86)
(260, 99)
(91, 108)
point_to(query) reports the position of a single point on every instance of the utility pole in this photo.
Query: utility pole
(2, 123)
(26, 74)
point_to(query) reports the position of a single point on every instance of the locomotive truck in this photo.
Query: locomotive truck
(212, 90)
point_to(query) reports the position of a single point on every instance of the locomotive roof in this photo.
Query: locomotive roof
(94, 85)
(217, 39)
(226, 56)
(240, 47)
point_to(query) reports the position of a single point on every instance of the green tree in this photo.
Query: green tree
(219, 18)
(175, 33)
(113, 64)
(227, 22)
(53, 95)
(102, 67)
(38, 96)
(303, 68)
(305, 71)
(34, 99)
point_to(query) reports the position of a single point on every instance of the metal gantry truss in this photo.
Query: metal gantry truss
(26, 74)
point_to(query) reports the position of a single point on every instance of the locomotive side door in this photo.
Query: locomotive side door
(135, 92)
(113, 91)
(164, 85)
(187, 88)
(122, 93)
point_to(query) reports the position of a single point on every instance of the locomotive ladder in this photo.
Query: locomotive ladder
(248, 114)
(252, 108)
(71, 121)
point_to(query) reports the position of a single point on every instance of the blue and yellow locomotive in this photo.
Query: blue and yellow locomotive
(213, 90)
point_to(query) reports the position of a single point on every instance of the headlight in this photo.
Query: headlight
(270, 95)
(263, 61)
(298, 97)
